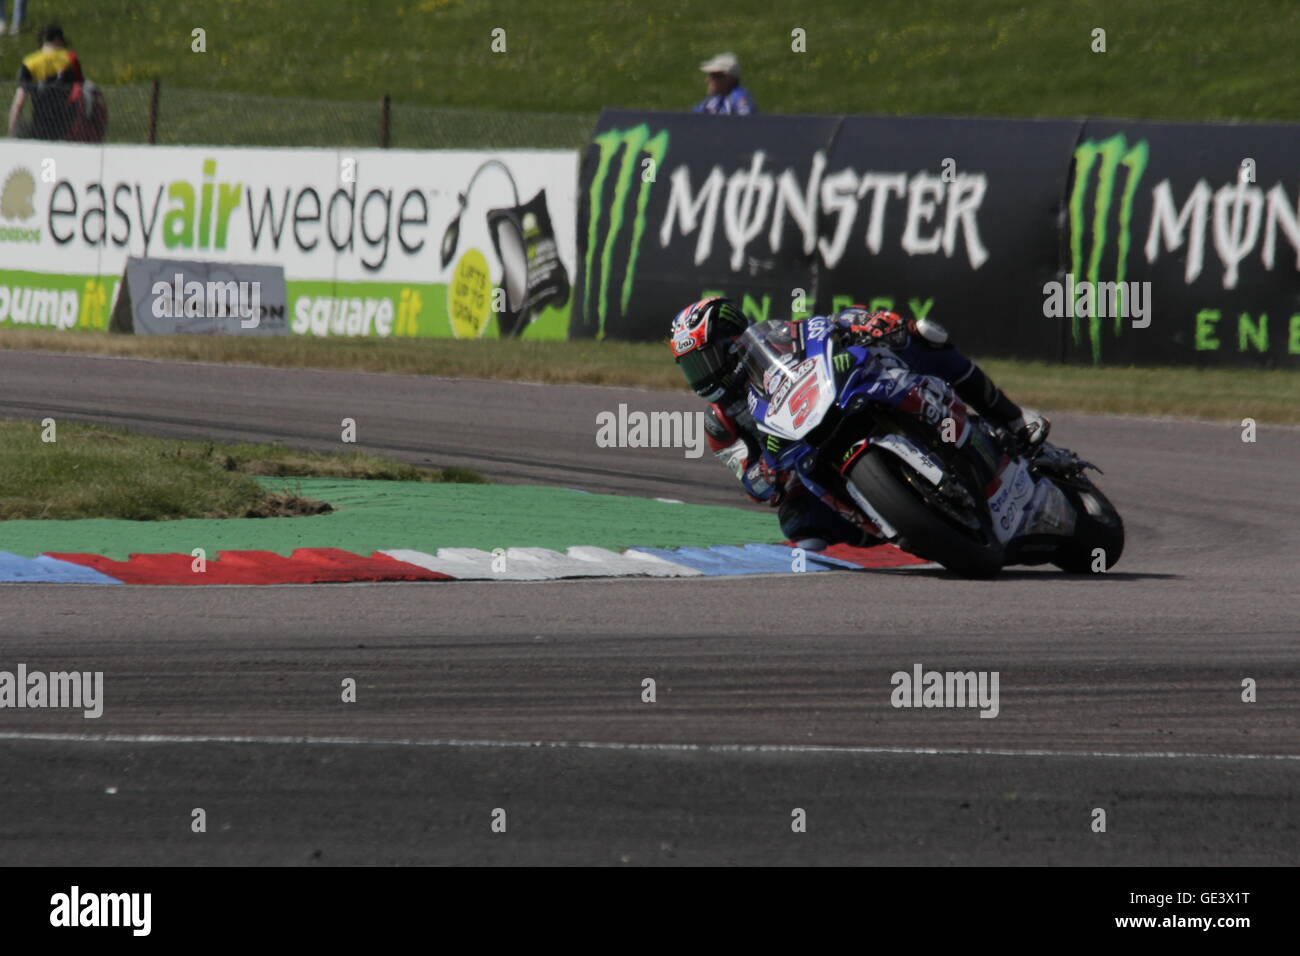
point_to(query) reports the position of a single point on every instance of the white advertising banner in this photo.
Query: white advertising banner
(372, 242)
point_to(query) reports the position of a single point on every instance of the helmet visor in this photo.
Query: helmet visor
(708, 370)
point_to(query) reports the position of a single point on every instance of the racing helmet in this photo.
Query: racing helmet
(703, 341)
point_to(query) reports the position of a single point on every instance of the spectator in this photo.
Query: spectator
(47, 77)
(726, 96)
(20, 11)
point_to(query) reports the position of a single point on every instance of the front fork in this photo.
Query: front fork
(958, 439)
(848, 511)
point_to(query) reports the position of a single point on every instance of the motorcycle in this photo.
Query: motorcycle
(901, 456)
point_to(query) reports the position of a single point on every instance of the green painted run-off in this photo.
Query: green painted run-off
(377, 515)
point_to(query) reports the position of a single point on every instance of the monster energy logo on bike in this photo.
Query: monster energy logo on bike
(1106, 156)
(637, 146)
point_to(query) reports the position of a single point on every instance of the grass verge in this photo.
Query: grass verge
(95, 472)
(1268, 396)
(1172, 59)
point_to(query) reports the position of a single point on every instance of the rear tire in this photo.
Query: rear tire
(920, 529)
(1104, 530)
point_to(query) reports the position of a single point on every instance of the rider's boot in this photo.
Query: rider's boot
(1030, 427)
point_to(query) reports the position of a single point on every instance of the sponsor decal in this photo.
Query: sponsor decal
(852, 452)
(929, 399)
(1105, 158)
(914, 456)
(804, 399)
(622, 201)
(1008, 503)
(532, 274)
(17, 203)
(28, 305)
(324, 315)
(785, 378)
(469, 298)
(749, 203)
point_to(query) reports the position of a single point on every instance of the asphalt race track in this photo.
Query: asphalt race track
(1120, 691)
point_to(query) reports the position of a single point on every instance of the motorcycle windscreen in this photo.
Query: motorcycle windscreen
(768, 351)
(798, 392)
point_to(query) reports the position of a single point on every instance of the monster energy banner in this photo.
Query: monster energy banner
(666, 206)
(1095, 242)
(1203, 220)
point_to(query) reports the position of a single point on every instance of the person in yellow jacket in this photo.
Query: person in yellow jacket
(47, 78)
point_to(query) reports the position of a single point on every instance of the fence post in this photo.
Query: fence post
(153, 113)
(385, 107)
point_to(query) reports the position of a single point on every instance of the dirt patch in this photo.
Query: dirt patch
(286, 505)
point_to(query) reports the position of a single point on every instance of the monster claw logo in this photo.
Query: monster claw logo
(635, 143)
(1106, 157)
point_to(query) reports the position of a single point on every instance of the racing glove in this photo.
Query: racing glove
(875, 328)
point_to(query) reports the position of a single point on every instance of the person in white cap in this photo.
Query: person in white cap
(726, 96)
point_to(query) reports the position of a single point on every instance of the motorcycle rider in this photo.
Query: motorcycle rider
(703, 342)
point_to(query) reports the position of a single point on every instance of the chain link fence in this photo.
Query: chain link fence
(172, 116)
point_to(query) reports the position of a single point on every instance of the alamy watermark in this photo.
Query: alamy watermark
(78, 690)
(638, 429)
(922, 688)
(77, 909)
(1103, 300)
(196, 299)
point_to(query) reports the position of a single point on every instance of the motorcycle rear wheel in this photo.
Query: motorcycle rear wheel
(1098, 529)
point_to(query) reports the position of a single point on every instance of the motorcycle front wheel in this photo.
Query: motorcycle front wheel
(928, 528)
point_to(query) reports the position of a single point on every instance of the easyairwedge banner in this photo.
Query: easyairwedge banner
(373, 242)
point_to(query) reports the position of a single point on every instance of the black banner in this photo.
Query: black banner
(661, 204)
(1092, 242)
(339, 907)
(1205, 219)
(958, 222)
